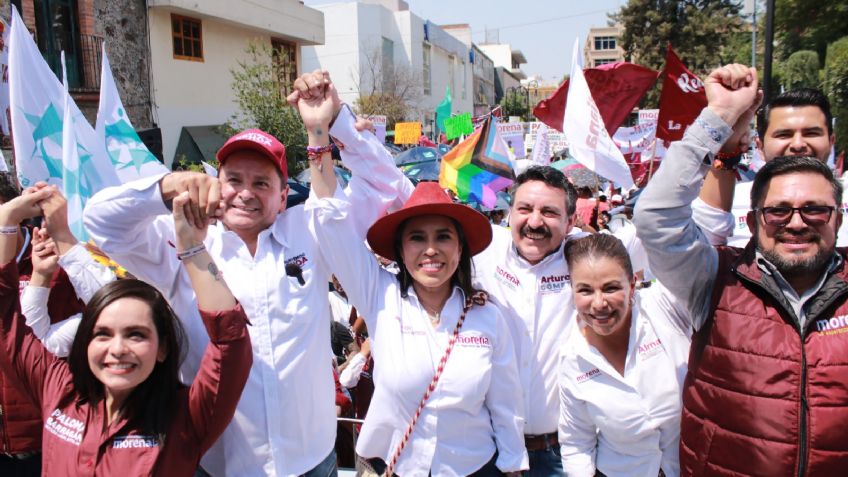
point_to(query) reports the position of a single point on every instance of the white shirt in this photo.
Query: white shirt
(731, 228)
(339, 309)
(86, 276)
(476, 406)
(537, 304)
(349, 377)
(624, 230)
(285, 423)
(626, 426)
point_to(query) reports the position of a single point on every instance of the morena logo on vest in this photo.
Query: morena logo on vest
(833, 326)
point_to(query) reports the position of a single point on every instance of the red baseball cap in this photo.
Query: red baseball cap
(259, 141)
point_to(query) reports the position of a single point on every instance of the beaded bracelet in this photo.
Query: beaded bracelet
(9, 230)
(191, 252)
(318, 151)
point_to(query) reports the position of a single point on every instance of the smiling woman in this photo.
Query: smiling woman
(116, 407)
(623, 368)
(443, 353)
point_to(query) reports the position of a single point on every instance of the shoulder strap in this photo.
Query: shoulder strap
(478, 298)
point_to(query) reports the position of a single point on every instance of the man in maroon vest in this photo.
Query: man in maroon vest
(767, 389)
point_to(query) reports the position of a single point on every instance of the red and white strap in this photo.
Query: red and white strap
(478, 298)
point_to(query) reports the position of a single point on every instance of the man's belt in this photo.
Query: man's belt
(540, 442)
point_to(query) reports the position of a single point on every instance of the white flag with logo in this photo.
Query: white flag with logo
(588, 139)
(4, 80)
(73, 187)
(38, 106)
(130, 157)
(542, 148)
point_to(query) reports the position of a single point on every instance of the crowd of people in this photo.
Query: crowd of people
(584, 338)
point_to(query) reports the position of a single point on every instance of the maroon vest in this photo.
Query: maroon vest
(762, 398)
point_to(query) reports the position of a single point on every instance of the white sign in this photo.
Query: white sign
(648, 115)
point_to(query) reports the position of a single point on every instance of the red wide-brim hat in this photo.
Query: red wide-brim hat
(428, 198)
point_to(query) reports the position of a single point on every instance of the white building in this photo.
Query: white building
(367, 37)
(483, 68)
(508, 74)
(195, 44)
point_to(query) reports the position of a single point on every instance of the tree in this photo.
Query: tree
(808, 25)
(514, 103)
(800, 70)
(700, 31)
(836, 86)
(260, 95)
(386, 88)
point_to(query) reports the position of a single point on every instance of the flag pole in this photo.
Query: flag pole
(653, 157)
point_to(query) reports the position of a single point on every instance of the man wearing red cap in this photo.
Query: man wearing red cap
(285, 423)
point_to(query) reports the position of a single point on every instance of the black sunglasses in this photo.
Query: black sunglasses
(810, 214)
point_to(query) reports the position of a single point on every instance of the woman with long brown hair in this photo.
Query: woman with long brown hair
(116, 407)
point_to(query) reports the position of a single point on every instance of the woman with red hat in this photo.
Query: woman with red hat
(447, 397)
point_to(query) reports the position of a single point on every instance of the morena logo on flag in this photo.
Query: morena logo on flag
(690, 84)
(255, 137)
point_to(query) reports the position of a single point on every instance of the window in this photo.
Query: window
(284, 56)
(57, 30)
(188, 38)
(604, 62)
(426, 70)
(388, 61)
(604, 42)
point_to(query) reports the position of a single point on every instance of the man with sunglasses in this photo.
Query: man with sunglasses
(766, 391)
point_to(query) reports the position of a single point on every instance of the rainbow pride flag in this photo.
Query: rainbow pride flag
(479, 166)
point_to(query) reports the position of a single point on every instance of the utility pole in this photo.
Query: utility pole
(769, 41)
(754, 37)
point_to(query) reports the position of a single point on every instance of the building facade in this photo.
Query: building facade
(483, 70)
(171, 59)
(508, 74)
(376, 46)
(603, 46)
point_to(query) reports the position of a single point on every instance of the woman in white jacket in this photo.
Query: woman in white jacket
(622, 368)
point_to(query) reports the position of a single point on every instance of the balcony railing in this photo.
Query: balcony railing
(88, 64)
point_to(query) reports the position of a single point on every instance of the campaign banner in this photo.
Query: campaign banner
(458, 125)
(635, 139)
(513, 135)
(379, 122)
(407, 133)
(648, 116)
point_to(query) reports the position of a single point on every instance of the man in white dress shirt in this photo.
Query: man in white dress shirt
(525, 274)
(285, 423)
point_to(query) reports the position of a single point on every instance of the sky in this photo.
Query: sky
(544, 30)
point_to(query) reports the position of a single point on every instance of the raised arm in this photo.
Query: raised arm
(680, 255)
(22, 356)
(57, 338)
(377, 185)
(132, 223)
(711, 210)
(85, 274)
(226, 363)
